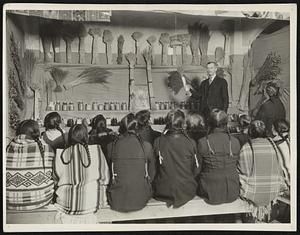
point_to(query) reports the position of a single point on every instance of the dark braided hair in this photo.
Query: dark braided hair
(53, 121)
(143, 118)
(282, 126)
(78, 134)
(257, 129)
(219, 119)
(98, 124)
(31, 129)
(175, 120)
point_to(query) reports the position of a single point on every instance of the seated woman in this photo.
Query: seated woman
(81, 173)
(144, 128)
(244, 121)
(54, 135)
(175, 181)
(100, 134)
(272, 109)
(281, 138)
(132, 169)
(195, 126)
(219, 153)
(29, 183)
(260, 174)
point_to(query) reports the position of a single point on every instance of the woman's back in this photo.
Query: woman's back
(80, 185)
(260, 174)
(175, 180)
(55, 138)
(130, 188)
(29, 182)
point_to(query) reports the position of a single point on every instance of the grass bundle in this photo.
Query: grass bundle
(82, 33)
(69, 33)
(194, 43)
(90, 75)
(164, 41)
(58, 76)
(107, 39)
(96, 34)
(203, 42)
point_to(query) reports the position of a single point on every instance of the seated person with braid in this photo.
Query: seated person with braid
(54, 135)
(219, 153)
(81, 175)
(260, 173)
(29, 183)
(100, 134)
(178, 166)
(132, 168)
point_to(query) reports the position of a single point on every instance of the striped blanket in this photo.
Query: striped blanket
(80, 190)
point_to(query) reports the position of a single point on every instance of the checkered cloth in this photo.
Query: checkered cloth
(261, 178)
(80, 190)
(28, 184)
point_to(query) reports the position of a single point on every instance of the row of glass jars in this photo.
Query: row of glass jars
(192, 105)
(81, 106)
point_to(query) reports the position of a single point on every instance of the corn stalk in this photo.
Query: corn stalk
(120, 49)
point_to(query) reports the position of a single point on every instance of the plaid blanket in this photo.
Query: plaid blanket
(80, 190)
(28, 184)
(261, 178)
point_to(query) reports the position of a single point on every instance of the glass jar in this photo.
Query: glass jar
(64, 106)
(94, 106)
(100, 107)
(71, 106)
(80, 106)
(118, 106)
(112, 106)
(106, 106)
(156, 105)
(88, 107)
(57, 106)
(161, 106)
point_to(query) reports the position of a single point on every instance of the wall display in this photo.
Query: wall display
(194, 42)
(203, 43)
(58, 76)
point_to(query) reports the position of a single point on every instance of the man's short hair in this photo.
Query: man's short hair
(212, 62)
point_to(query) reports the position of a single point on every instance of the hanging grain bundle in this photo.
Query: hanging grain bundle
(107, 39)
(82, 33)
(137, 37)
(194, 43)
(120, 49)
(58, 76)
(164, 41)
(70, 32)
(203, 42)
(90, 75)
(151, 40)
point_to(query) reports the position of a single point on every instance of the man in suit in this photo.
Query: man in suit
(213, 92)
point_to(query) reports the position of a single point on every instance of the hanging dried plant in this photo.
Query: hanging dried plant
(120, 49)
(90, 75)
(58, 76)
(268, 72)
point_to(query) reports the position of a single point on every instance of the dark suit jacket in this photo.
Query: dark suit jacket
(214, 95)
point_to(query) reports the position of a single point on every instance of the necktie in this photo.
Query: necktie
(210, 80)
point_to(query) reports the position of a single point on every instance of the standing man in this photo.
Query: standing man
(213, 92)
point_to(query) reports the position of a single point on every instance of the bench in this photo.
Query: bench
(154, 210)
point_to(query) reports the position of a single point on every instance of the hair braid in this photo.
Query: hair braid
(62, 134)
(85, 145)
(42, 150)
(253, 154)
